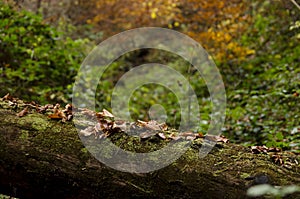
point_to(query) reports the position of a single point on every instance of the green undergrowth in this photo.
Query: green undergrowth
(39, 63)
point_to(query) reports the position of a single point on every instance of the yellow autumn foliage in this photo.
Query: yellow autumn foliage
(216, 25)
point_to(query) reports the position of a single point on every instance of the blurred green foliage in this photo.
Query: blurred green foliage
(263, 105)
(36, 61)
(39, 63)
(269, 191)
(148, 95)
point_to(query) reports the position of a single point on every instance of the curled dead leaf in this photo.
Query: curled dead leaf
(191, 138)
(217, 138)
(163, 126)
(68, 112)
(146, 135)
(175, 138)
(68, 107)
(152, 125)
(187, 135)
(102, 136)
(88, 112)
(54, 117)
(56, 108)
(104, 113)
(222, 138)
(7, 97)
(277, 159)
(122, 125)
(69, 117)
(162, 136)
(259, 149)
(200, 135)
(87, 131)
(23, 112)
(57, 115)
(274, 149)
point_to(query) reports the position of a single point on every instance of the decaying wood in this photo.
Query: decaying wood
(44, 158)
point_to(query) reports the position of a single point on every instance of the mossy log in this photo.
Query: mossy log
(44, 158)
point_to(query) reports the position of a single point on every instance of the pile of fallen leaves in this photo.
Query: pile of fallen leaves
(53, 111)
(276, 155)
(106, 125)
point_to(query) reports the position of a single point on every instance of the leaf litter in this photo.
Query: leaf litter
(106, 125)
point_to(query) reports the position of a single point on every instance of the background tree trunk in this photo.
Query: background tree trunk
(38, 6)
(42, 158)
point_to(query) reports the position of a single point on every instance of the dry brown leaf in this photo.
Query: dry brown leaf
(44, 108)
(68, 112)
(274, 149)
(151, 125)
(146, 135)
(56, 108)
(163, 126)
(97, 128)
(217, 138)
(102, 136)
(104, 113)
(23, 112)
(122, 125)
(54, 117)
(200, 135)
(68, 107)
(277, 159)
(222, 138)
(259, 149)
(41, 109)
(69, 117)
(88, 112)
(162, 136)
(190, 138)
(187, 135)
(175, 138)
(87, 131)
(58, 114)
(7, 97)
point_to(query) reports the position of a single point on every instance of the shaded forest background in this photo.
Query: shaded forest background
(255, 45)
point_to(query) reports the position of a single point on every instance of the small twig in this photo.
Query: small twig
(137, 187)
(189, 94)
(296, 4)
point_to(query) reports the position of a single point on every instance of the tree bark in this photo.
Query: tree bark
(43, 158)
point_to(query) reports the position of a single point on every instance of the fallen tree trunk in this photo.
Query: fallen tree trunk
(43, 158)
